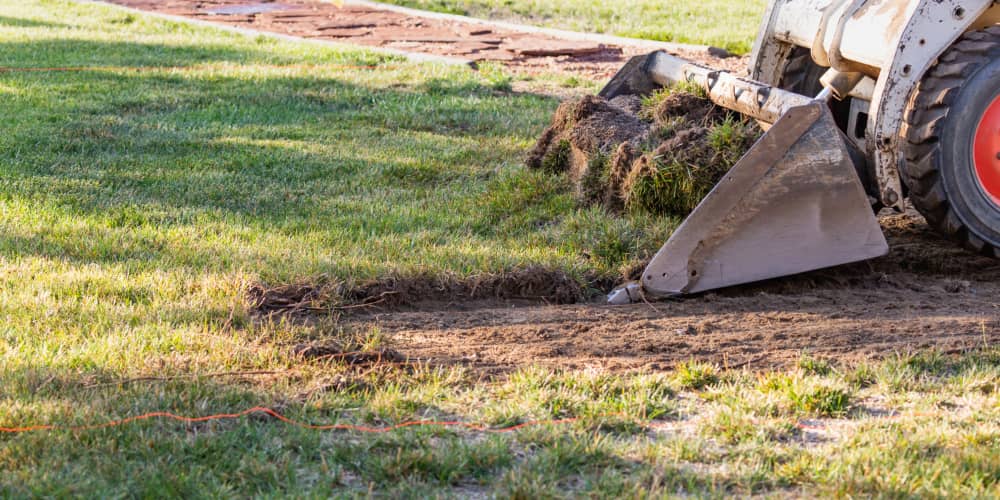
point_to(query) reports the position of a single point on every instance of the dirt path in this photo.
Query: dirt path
(522, 50)
(925, 294)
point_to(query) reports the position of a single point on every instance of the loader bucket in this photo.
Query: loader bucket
(792, 204)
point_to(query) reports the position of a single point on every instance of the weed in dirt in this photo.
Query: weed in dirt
(329, 340)
(599, 398)
(820, 400)
(431, 457)
(914, 461)
(909, 372)
(932, 371)
(568, 460)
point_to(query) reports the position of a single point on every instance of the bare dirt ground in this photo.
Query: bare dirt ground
(926, 294)
(522, 51)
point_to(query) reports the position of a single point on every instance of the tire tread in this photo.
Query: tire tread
(923, 124)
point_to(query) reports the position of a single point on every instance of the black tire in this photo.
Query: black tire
(940, 124)
(800, 74)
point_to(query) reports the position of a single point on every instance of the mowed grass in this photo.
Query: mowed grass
(731, 25)
(164, 168)
(169, 167)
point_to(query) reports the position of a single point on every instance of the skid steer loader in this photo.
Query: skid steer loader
(865, 102)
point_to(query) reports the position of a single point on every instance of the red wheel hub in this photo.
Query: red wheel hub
(986, 152)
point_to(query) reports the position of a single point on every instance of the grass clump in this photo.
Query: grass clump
(734, 426)
(807, 396)
(594, 180)
(695, 375)
(821, 400)
(814, 366)
(659, 154)
(670, 186)
(655, 100)
(556, 159)
(683, 169)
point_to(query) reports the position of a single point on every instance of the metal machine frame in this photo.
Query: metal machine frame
(893, 43)
(801, 198)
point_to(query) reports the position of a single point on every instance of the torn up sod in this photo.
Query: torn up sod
(659, 154)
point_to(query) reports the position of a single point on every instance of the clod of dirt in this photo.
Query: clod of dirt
(324, 296)
(660, 155)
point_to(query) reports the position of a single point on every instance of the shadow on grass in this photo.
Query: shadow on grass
(286, 155)
(28, 23)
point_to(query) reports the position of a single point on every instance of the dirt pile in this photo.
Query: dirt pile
(660, 154)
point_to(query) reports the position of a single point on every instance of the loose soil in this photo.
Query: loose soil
(925, 294)
(519, 50)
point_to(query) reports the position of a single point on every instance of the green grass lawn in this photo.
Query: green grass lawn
(142, 192)
(730, 24)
